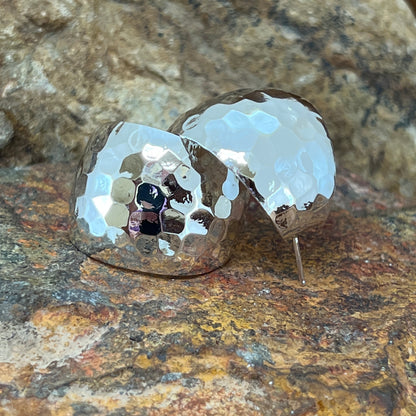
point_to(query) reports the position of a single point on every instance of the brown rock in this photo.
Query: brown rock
(47, 14)
(68, 66)
(80, 337)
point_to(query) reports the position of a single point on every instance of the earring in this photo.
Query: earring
(278, 146)
(170, 203)
(144, 200)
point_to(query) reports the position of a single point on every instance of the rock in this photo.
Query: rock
(6, 130)
(47, 14)
(67, 67)
(81, 337)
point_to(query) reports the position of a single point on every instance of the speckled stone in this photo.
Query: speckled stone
(67, 66)
(79, 337)
(6, 130)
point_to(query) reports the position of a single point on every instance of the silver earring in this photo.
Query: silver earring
(277, 145)
(145, 201)
(169, 203)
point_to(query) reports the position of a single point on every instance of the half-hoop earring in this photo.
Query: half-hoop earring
(278, 146)
(169, 203)
(144, 201)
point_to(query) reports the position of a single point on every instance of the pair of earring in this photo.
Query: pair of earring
(170, 203)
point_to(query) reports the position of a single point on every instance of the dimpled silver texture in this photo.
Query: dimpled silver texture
(147, 200)
(278, 146)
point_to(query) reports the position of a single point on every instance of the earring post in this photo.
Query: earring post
(296, 248)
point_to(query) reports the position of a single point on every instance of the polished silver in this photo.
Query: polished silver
(296, 249)
(169, 203)
(277, 144)
(146, 200)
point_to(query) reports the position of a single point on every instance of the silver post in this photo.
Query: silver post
(298, 260)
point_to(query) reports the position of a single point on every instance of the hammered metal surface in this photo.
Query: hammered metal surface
(145, 200)
(170, 202)
(278, 146)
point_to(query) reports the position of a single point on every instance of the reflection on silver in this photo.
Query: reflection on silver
(169, 203)
(277, 145)
(146, 201)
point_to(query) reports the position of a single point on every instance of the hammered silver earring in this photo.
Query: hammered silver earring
(144, 201)
(267, 143)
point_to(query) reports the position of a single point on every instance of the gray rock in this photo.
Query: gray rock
(6, 130)
(67, 67)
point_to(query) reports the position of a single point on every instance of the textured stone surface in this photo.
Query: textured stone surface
(412, 4)
(67, 66)
(78, 337)
(6, 130)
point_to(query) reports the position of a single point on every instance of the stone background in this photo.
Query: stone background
(79, 338)
(412, 4)
(67, 66)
